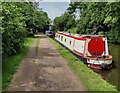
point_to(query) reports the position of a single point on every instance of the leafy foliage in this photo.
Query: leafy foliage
(19, 19)
(95, 17)
(64, 22)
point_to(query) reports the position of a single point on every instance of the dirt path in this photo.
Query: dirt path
(45, 70)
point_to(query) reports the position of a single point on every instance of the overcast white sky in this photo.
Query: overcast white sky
(54, 9)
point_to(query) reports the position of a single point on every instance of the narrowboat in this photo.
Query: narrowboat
(92, 48)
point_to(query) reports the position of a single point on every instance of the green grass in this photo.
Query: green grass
(11, 63)
(91, 80)
(37, 44)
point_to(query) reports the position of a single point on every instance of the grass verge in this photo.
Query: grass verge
(37, 44)
(92, 81)
(11, 63)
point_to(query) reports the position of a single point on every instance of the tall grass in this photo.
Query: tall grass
(10, 64)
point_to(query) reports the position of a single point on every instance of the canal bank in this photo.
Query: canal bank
(91, 80)
(113, 75)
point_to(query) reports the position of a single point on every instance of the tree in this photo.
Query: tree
(64, 22)
(19, 18)
(14, 32)
(98, 17)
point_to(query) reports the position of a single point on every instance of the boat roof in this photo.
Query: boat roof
(79, 35)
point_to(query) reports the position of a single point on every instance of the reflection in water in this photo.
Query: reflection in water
(113, 75)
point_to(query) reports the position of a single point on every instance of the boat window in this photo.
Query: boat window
(61, 38)
(70, 42)
(65, 39)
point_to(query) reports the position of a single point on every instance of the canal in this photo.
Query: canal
(113, 75)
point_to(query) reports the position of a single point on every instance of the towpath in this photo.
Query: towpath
(44, 70)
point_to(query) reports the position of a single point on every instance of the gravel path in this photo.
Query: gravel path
(44, 70)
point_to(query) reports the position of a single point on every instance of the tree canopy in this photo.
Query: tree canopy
(18, 20)
(95, 18)
(64, 22)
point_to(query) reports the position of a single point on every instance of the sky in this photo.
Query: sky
(54, 9)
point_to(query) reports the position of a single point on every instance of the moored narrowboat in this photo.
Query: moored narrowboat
(92, 48)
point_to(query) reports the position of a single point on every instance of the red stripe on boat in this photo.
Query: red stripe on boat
(78, 38)
(78, 53)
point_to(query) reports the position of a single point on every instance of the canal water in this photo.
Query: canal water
(113, 75)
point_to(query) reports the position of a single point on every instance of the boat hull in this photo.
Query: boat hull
(100, 63)
(97, 63)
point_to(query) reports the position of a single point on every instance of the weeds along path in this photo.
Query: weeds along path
(44, 70)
